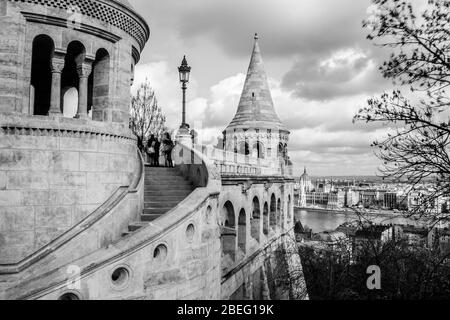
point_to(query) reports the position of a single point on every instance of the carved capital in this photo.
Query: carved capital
(57, 64)
(84, 70)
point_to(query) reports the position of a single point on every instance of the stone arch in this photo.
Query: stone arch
(229, 232)
(279, 215)
(242, 231)
(76, 54)
(280, 150)
(289, 209)
(266, 219)
(256, 220)
(69, 96)
(273, 212)
(244, 148)
(259, 150)
(98, 87)
(41, 75)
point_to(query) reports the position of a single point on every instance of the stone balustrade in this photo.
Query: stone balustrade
(230, 163)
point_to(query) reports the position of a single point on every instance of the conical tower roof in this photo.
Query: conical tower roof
(256, 109)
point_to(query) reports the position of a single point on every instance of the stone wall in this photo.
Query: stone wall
(53, 173)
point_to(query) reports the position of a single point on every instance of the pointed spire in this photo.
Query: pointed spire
(256, 109)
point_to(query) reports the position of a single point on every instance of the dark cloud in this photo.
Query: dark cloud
(288, 27)
(326, 78)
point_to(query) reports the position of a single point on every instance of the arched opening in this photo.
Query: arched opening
(242, 231)
(266, 219)
(289, 210)
(256, 220)
(280, 150)
(41, 75)
(69, 101)
(229, 231)
(76, 53)
(258, 150)
(279, 217)
(98, 86)
(273, 212)
(243, 148)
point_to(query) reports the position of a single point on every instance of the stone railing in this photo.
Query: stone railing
(235, 164)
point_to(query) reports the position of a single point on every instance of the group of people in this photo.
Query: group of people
(155, 147)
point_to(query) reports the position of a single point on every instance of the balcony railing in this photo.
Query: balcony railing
(236, 164)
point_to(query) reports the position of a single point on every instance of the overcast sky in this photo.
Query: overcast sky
(321, 69)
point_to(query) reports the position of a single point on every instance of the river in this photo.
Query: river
(320, 221)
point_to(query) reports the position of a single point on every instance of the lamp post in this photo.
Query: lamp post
(184, 71)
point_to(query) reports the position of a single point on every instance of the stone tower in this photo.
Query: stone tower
(256, 129)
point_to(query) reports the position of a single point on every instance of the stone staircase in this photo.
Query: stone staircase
(164, 189)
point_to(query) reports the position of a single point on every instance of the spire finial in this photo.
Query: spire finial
(256, 36)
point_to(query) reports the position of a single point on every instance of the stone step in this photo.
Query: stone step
(167, 193)
(165, 179)
(149, 217)
(168, 184)
(171, 199)
(161, 204)
(156, 211)
(175, 187)
(160, 170)
(136, 226)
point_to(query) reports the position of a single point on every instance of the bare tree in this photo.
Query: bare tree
(416, 148)
(146, 116)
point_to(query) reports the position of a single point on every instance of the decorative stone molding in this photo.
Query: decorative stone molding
(57, 64)
(268, 185)
(84, 70)
(109, 12)
(60, 127)
(61, 22)
(246, 186)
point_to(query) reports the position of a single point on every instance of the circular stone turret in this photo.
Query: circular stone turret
(66, 67)
(71, 58)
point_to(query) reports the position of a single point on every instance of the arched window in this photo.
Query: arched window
(279, 217)
(242, 231)
(76, 53)
(289, 210)
(273, 212)
(280, 150)
(41, 75)
(256, 220)
(258, 150)
(98, 87)
(266, 219)
(70, 101)
(243, 148)
(229, 232)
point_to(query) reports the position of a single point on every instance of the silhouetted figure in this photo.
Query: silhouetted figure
(167, 147)
(151, 149)
(157, 152)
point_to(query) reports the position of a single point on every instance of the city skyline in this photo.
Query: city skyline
(319, 79)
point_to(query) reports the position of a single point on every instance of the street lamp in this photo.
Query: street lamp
(185, 71)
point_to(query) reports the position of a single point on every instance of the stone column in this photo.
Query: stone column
(57, 65)
(84, 71)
